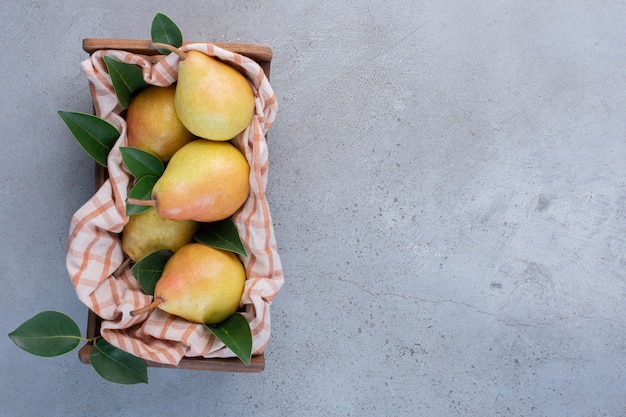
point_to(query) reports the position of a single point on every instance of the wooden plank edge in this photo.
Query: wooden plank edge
(255, 51)
(262, 54)
(257, 363)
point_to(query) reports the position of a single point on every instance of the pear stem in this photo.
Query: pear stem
(154, 304)
(139, 202)
(121, 268)
(177, 51)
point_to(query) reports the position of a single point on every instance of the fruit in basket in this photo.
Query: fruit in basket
(204, 181)
(147, 232)
(153, 124)
(200, 284)
(213, 100)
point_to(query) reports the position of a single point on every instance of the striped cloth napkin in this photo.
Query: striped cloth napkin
(95, 261)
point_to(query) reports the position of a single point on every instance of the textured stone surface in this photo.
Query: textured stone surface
(448, 190)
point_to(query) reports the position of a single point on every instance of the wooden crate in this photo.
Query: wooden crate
(263, 56)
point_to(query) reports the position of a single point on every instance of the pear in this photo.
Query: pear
(200, 284)
(213, 100)
(153, 125)
(147, 232)
(204, 181)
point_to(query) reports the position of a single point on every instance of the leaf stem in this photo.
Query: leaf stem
(90, 339)
(177, 51)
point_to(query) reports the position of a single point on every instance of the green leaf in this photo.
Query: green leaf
(95, 135)
(126, 78)
(47, 334)
(235, 333)
(164, 30)
(221, 234)
(148, 270)
(115, 365)
(142, 190)
(141, 163)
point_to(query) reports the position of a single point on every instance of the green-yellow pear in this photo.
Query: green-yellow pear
(204, 181)
(147, 232)
(213, 100)
(153, 125)
(200, 284)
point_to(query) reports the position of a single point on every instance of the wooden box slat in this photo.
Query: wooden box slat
(262, 54)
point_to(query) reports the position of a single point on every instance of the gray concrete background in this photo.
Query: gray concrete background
(448, 190)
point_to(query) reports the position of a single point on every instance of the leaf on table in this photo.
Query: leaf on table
(115, 365)
(126, 78)
(235, 333)
(95, 135)
(221, 234)
(142, 190)
(148, 270)
(47, 334)
(141, 163)
(164, 30)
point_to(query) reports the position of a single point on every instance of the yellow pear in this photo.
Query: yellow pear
(200, 284)
(147, 232)
(213, 100)
(153, 125)
(204, 181)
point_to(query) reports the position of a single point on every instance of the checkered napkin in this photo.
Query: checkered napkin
(94, 253)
